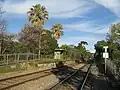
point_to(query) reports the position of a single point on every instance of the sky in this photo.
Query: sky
(82, 20)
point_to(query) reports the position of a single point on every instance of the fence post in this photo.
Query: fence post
(46, 57)
(7, 61)
(15, 58)
(18, 59)
(33, 56)
(27, 60)
(4, 58)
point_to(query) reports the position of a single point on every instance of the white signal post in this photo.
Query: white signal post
(105, 55)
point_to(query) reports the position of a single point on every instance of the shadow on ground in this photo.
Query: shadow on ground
(74, 83)
(104, 81)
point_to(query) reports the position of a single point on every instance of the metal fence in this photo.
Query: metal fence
(9, 59)
(113, 68)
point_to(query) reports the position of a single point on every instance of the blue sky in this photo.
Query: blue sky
(87, 20)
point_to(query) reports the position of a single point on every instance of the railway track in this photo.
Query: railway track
(17, 80)
(9, 82)
(72, 79)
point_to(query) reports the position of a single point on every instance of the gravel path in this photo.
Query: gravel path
(39, 84)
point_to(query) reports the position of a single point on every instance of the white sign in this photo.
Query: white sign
(106, 47)
(105, 55)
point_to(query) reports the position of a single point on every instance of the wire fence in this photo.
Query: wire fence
(8, 59)
(11, 59)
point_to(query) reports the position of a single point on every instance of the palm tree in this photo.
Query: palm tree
(82, 48)
(38, 15)
(57, 30)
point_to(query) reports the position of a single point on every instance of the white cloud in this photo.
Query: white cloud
(88, 26)
(98, 33)
(74, 40)
(112, 5)
(103, 30)
(56, 8)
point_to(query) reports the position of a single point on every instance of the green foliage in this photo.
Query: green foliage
(66, 48)
(82, 49)
(5, 38)
(99, 50)
(38, 15)
(115, 32)
(76, 52)
(48, 43)
(6, 41)
(30, 37)
(113, 39)
(113, 42)
(99, 46)
(57, 29)
(83, 42)
(33, 37)
(18, 47)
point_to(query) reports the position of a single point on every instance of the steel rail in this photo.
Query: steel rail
(39, 74)
(17, 76)
(85, 79)
(59, 83)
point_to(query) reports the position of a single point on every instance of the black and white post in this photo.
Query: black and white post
(105, 55)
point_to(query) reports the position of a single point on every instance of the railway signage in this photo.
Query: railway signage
(105, 55)
(105, 47)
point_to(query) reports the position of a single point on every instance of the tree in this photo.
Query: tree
(5, 42)
(82, 49)
(66, 50)
(48, 43)
(99, 46)
(37, 16)
(30, 37)
(5, 38)
(76, 52)
(83, 43)
(113, 39)
(99, 49)
(114, 34)
(18, 47)
(65, 47)
(57, 30)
